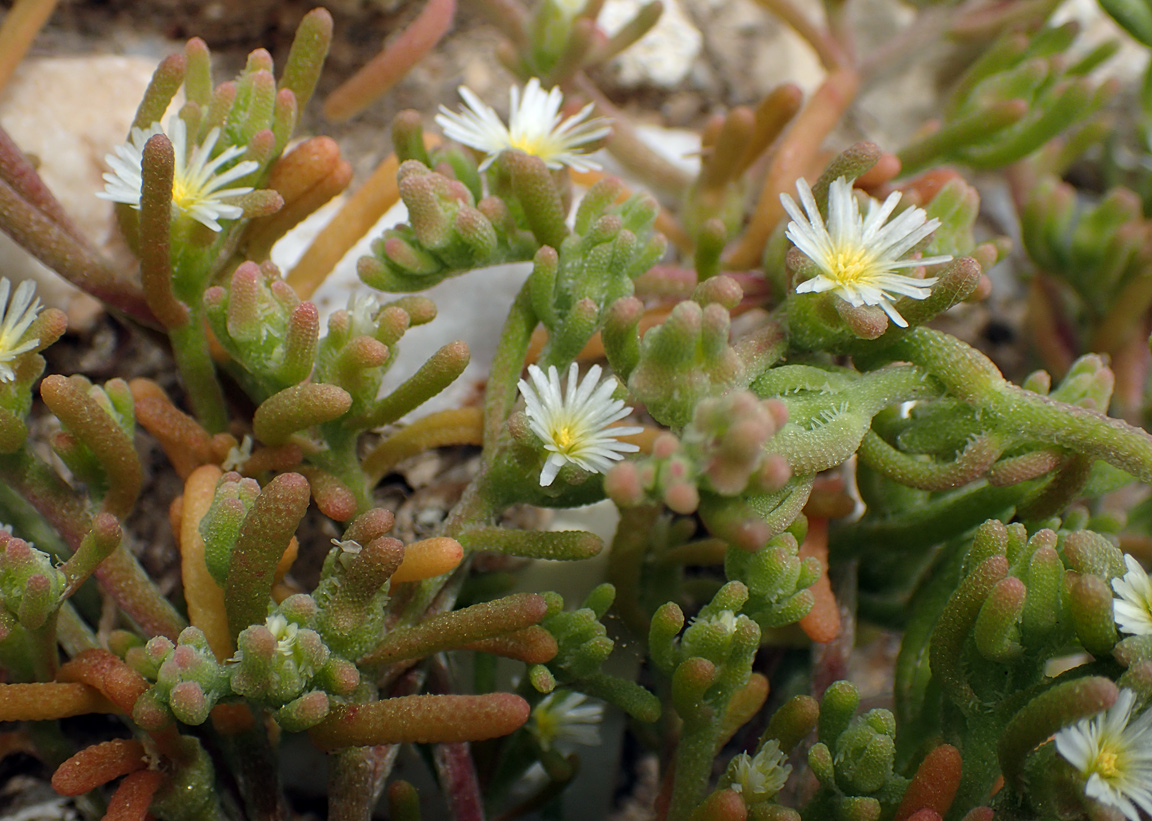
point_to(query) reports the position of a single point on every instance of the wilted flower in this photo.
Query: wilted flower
(349, 550)
(197, 182)
(859, 255)
(535, 127)
(18, 317)
(238, 455)
(1114, 754)
(1132, 607)
(574, 423)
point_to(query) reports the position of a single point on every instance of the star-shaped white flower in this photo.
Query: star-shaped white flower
(574, 423)
(1132, 607)
(859, 256)
(758, 778)
(18, 317)
(535, 127)
(563, 720)
(1114, 754)
(198, 183)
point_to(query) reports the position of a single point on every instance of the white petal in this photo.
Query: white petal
(860, 255)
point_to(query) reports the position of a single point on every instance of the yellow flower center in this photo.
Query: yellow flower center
(852, 263)
(546, 726)
(179, 193)
(564, 437)
(1105, 764)
(537, 145)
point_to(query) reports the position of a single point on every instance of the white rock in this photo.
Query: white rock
(68, 112)
(470, 307)
(664, 56)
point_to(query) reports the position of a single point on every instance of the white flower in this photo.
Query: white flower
(859, 255)
(573, 423)
(1132, 607)
(197, 182)
(362, 309)
(759, 777)
(284, 632)
(1114, 755)
(17, 319)
(563, 720)
(535, 127)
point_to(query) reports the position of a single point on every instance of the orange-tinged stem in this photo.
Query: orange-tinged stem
(822, 623)
(132, 798)
(934, 785)
(532, 645)
(21, 25)
(286, 561)
(428, 558)
(421, 719)
(97, 765)
(123, 686)
(232, 719)
(354, 219)
(798, 149)
(204, 596)
(184, 440)
(459, 426)
(267, 232)
(390, 65)
(50, 700)
(110, 675)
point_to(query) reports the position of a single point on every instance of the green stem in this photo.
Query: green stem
(695, 753)
(356, 777)
(343, 462)
(42, 650)
(120, 574)
(971, 376)
(919, 528)
(507, 363)
(626, 564)
(190, 349)
(74, 634)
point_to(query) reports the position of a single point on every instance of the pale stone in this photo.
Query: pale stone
(664, 56)
(470, 307)
(1096, 27)
(748, 51)
(67, 113)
